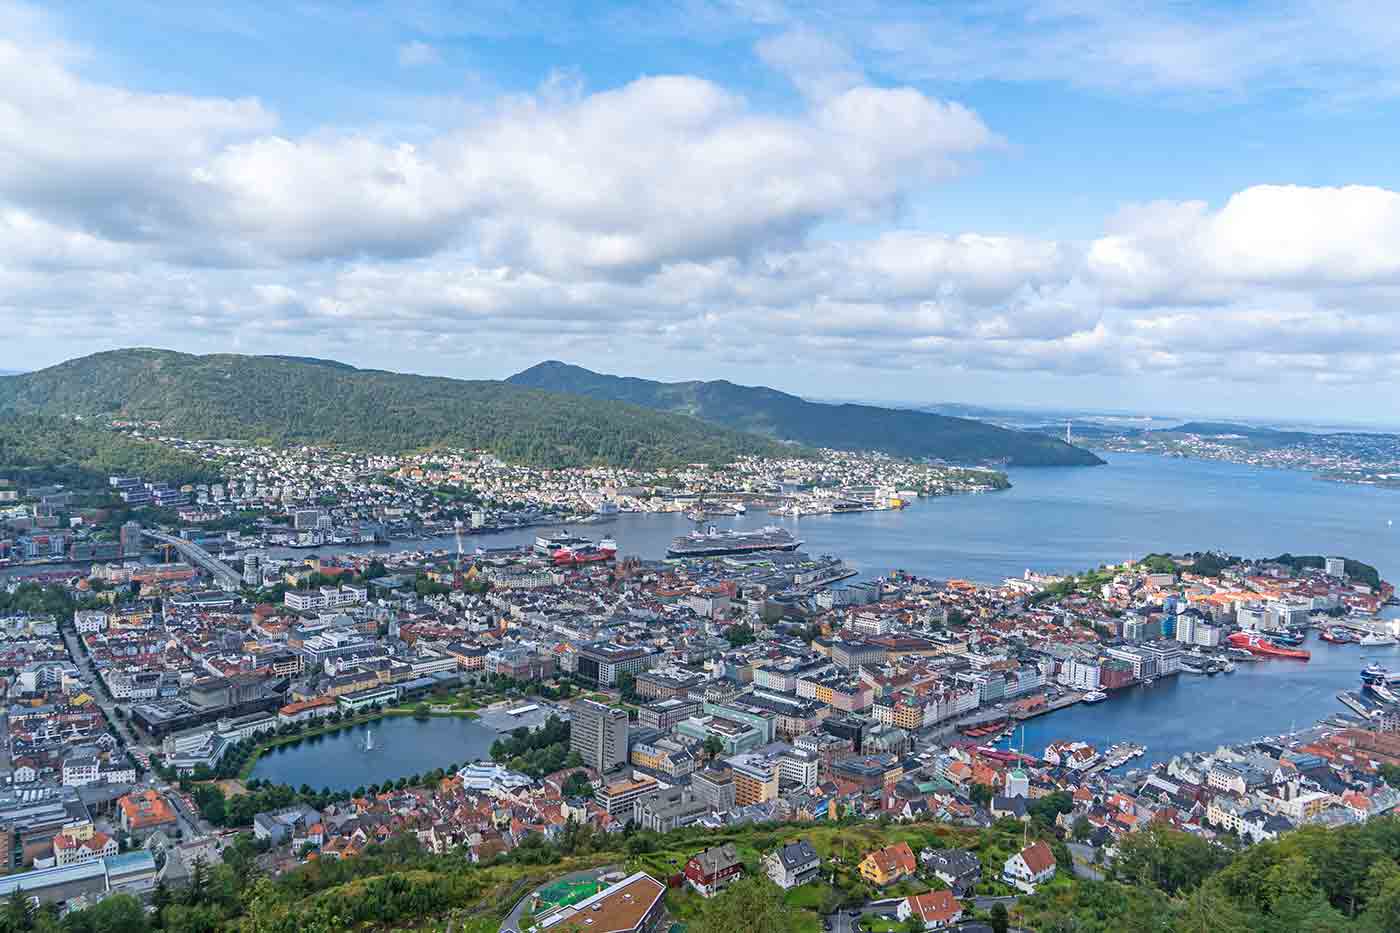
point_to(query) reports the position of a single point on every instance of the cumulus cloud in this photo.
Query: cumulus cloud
(669, 213)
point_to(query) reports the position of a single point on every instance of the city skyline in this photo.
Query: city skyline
(1051, 205)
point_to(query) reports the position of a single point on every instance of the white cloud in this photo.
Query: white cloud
(417, 54)
(669, 215)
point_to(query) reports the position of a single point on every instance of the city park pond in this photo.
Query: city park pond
(385, 749)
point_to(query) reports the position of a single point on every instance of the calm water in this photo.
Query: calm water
(1196, 713)
(1062, 519)
(403, 746)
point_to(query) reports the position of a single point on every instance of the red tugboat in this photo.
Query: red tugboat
(1257, 644)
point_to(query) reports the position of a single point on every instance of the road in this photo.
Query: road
(80, 658)
(224, 575)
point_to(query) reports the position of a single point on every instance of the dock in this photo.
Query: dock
(1117, 756)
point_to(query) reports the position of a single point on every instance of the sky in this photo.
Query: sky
(1185, 207)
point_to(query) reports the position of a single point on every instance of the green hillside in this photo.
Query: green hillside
(39, 450)
(293, 400)
(846, 427)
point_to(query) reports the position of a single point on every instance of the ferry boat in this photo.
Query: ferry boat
(548, 545)
(1096, 696)
(564, 548)
(1259, 645)
(605, 549)
(1377, 639)
(713, 542)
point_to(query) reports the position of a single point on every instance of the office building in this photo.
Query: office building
(599, 734)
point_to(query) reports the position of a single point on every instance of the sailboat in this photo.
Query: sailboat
(369, 740)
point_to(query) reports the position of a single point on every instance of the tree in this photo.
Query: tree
(199, 880)
(750, 904)
(118, 913)
(578, 785)
(713, 746)
(739, 635)
(16, 916)
(1000, 921)
(1082, 829)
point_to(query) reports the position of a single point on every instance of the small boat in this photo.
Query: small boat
(1095, 696)
(1377, 639)
(1229, 667)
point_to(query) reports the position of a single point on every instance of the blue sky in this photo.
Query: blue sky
(1186, 206)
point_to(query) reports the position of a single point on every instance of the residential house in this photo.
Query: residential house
(792, 864)
(888, 865)
(711, 870)
(1033, 865)
(936, 909)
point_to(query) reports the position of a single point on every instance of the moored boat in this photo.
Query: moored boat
(1259, 645)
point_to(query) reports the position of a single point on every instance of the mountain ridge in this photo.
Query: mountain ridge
(767, 411)
(289, 400)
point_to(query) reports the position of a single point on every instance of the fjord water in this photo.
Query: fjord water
(1061, 519)
(1065, 519)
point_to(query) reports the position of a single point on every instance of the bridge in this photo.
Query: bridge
(224, 575)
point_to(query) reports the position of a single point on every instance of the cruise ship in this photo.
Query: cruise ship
(712, 542)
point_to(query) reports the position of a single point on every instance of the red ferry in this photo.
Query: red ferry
(587, 553)
(1257, 644)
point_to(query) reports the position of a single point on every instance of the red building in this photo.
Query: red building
(711, 870)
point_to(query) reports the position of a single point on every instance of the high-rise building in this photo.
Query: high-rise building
(599, 734)
(252, 569)
(131, 539)
(306, 519)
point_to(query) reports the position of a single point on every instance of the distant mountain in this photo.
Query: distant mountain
(766, 411)
(1229, 429)
(292, 400)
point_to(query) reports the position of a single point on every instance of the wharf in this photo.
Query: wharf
(1069, 699)
(1117, 756)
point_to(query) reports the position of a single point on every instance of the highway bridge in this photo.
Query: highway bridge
(224, 575)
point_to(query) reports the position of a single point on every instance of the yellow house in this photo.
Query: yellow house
(888, 865)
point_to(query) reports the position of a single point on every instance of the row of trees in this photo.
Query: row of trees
(1314, 880)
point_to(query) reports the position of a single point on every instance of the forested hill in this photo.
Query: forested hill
(295, 400)
(777, 414)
